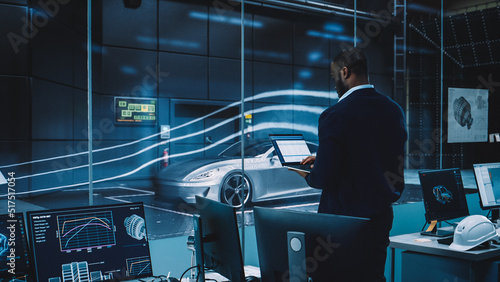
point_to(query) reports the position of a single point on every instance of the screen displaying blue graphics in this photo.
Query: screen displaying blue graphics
(444, 194)
(135, 111)
(14, 252)
(96, 243)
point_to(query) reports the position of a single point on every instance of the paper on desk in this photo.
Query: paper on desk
(422, 240)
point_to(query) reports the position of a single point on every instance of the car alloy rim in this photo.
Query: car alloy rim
(231, 190)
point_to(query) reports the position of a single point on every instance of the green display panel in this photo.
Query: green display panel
(135, 111)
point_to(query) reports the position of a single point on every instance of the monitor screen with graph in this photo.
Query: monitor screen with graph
(95, 243)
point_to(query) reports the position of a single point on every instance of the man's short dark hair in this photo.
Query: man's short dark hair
(354, 59)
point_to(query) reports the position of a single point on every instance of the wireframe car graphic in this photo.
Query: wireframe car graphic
(442, 194)
(220, 178)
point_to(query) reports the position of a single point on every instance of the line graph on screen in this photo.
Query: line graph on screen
(86, 231)
(138, 266)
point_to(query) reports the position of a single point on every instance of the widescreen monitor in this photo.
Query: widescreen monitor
(337, 248)
(220, 240)
(488, 186)
(443, 195)
(14, 251)
(94, 243)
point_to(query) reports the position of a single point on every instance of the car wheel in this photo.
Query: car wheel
(232, 188)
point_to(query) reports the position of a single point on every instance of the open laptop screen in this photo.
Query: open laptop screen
(291, 149)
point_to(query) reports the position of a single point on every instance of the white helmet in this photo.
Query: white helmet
(473, 231)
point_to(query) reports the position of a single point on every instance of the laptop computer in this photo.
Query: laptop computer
(291, 150)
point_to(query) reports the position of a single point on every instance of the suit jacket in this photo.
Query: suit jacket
(360, 159)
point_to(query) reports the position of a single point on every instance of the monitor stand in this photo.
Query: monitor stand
(296, 256)
(198, 247)
(432, 230)
(495, 214)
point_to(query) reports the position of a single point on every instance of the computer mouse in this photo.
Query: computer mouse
(252, 279)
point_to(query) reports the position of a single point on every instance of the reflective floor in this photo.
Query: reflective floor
(166, 219)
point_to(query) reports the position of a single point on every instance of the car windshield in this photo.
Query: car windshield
(253, 148)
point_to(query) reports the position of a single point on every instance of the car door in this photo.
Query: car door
(272, 180)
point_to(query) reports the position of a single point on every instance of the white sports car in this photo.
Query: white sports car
(220, 178)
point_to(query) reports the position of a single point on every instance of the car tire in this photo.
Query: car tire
(231, 187)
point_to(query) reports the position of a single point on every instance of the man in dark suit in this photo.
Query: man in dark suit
(359, 162)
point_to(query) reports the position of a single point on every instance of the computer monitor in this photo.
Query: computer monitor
(221, 240)
(14, 251)
(94, 243)
(488, 186)
(444, 198)
(337, 248)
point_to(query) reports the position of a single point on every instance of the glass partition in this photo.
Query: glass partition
(169, 94)
(175, 92)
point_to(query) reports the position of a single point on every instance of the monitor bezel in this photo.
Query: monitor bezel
(318, 229)
(458, 214)
(29, 272)
(481, 203)
(213, 242)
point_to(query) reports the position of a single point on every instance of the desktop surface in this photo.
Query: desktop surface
(430, 245)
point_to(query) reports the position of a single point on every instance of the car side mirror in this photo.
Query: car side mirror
(274, 159)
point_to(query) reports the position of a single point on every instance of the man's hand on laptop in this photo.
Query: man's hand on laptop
(307, 160)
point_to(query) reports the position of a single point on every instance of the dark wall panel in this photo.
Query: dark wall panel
(383, 84)
(269, 77)
(128, 72)
(15, 152)
(80, 115)
(222, 125)
(312, 40)
(225, 32)
(272, 121)
(52, 114)
(129, 168)
(17, 2)
(183, 26)
(14, 43)
(225, 79)
(187, 76)
(127, 27)
(181, 113)
(306, 123)
(52, 51)
(60, 176)
(163, 111)
(80, 62)
(15, 98)
(70, 13)
(185, 151)
(274, 41)
(309, 79)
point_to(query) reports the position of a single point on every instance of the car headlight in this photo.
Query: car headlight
(205, 175)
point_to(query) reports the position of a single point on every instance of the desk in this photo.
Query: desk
(431, 249)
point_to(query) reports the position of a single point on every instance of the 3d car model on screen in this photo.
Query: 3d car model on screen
(220, 178)
(442, 194)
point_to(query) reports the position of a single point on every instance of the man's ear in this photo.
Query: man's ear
(346, 72)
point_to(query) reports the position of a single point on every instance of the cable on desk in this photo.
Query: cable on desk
(196, 266)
